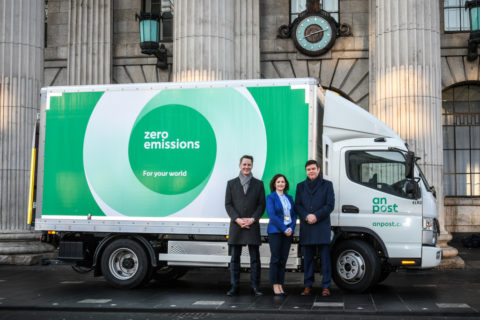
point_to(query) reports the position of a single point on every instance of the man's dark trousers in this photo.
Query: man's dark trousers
(236, 251)
(309, 264)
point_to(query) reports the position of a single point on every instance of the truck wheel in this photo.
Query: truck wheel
(356, 266)
(125, 264)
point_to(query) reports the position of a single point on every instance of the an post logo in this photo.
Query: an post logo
(380, 206)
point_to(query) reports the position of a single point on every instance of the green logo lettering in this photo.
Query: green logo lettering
(380, 205)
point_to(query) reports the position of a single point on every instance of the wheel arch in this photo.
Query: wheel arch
(112, 237)
(361, 233)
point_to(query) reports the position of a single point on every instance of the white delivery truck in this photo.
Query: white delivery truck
(132, 178)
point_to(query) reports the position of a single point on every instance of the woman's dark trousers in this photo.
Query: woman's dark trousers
(279, 250)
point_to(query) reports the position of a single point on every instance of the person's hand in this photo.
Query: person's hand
(247, 222)
(288, 232)
(311, 218)
(240, 222)
(243, 222)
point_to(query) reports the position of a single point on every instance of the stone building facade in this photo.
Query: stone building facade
(346, 68)
(97, 41)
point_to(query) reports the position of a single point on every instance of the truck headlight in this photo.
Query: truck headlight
(430, 231)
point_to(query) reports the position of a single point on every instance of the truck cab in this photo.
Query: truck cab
(385, 213)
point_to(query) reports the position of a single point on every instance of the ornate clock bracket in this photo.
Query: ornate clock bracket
(285, 31)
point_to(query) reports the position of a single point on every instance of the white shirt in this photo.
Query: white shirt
(287, 218)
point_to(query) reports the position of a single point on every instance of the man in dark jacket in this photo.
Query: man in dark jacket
(245, 204)
(314, 201)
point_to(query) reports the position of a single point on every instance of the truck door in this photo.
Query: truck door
(373, 195)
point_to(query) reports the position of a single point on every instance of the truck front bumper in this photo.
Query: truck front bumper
(431, 257)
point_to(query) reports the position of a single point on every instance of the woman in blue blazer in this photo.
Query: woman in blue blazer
(280, 210)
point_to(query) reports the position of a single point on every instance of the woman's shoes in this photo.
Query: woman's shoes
(278, 287)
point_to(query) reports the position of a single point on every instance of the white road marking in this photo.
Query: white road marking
(209, 303)
(453, 305)
(328, 304)
(95, 301)
(72, 282)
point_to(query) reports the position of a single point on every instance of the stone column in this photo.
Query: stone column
(216, 40)
(21, 71)
(90, 42)
(247, 39)
(406, 85)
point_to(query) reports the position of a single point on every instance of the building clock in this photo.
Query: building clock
(314, 34)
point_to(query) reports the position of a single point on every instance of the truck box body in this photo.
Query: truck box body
(156, 157)
(152, 161)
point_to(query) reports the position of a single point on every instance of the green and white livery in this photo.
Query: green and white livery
(132, 178)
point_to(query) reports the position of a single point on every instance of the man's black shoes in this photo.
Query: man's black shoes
(232, 292)
(256, 292)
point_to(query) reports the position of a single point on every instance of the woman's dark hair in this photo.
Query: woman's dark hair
(274, 179)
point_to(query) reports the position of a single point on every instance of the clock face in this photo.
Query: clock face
(315, 34)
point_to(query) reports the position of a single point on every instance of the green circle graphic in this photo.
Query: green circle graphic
(172, 149)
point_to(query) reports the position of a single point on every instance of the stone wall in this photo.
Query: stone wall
(129, 64)
(344, 68)
(462, 214)
(56, 50)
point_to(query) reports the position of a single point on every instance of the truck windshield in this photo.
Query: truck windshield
(380, 170)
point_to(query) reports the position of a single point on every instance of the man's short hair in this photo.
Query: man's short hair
(246, 156)
(310, 162)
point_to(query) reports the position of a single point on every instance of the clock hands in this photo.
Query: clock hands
(311, 34)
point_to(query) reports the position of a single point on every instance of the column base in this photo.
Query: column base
(450, 258)
(24, 249)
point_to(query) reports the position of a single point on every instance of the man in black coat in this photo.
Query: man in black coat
(245, 204)
(314, 201)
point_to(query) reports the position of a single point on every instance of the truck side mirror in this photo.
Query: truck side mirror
(412, 189)
(409, 165)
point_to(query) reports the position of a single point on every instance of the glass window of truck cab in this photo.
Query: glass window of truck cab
(380, 170)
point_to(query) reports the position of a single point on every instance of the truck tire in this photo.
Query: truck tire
(356, 266)
(125, 264)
